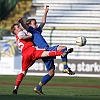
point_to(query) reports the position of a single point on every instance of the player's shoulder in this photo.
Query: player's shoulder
(30, 27)
(21, 33)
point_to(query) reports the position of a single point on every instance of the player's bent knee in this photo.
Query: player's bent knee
(51, 72)
(64, 47)
(61, 48)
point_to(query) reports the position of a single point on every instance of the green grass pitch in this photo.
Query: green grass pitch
(59, 88)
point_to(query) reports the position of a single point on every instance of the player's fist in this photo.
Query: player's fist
(47, 8)
(20, 20)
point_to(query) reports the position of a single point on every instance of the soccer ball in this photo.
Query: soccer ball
(81, 41)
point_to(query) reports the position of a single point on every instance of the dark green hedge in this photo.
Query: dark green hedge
(6, 6)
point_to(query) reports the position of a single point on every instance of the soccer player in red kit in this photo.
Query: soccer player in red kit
(30, 53)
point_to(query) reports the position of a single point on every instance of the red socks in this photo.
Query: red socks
(55, 53)
(19, 79)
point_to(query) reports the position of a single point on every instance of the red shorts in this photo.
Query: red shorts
(29, 56)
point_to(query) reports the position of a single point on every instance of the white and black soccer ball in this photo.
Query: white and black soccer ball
(81, 41)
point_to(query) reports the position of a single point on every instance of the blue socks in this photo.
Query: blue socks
(44, 80)
(64, 59)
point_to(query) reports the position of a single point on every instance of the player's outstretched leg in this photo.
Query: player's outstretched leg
(66, 69)
(55, 53)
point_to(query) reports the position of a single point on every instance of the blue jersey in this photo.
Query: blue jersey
(39, 41)
(37, 37)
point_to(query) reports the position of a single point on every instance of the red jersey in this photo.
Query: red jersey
(30, 53)
(23, 44)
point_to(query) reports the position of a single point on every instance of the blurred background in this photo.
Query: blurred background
(66, 20)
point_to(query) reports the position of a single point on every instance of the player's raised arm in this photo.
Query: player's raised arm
(20, 20)
(44, 17)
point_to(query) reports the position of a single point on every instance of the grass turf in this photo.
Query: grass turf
(65, 88)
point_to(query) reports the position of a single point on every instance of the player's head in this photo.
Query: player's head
(16, 28)
(32, 22)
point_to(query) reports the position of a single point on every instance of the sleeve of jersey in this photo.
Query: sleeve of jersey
(21, 33)
(39, 29)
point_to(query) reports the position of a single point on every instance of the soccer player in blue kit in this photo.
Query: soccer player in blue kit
(35, 30)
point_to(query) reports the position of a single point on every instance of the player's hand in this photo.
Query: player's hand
(20, 20)
(47, 8)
